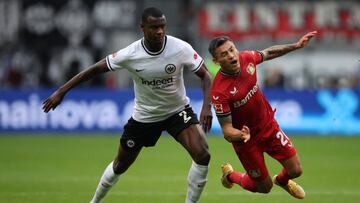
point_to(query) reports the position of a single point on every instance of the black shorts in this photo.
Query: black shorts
(137, 134)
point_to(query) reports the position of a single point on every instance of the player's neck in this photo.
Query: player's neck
(153, 47)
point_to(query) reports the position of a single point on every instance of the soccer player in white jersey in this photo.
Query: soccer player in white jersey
(156, 63)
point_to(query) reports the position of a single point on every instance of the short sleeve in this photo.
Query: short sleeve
(117, 60)
(191, 58)
(257, 56)
(220, 105)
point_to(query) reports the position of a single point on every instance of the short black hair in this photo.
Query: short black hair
(151, 11)
(216, 42)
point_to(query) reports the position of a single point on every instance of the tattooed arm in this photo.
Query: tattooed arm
(279, 50)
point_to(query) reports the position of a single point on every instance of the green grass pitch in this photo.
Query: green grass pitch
(63, 168)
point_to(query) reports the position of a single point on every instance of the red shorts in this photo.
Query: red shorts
(251, 154)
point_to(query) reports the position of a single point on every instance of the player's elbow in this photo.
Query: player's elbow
(228, 137)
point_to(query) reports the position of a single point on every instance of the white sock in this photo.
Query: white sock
(108, 179)
(196, 182)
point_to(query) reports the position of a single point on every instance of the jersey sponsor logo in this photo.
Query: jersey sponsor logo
(218, 108)
(247, 97)
(158, 83)
(255, 173)
(234, 91)
(170, 68)
(250, 69)
(215, 97)
(139, 70)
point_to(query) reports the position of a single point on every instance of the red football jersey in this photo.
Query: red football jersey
(240, 96)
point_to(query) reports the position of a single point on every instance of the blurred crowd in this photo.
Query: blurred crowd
(44, 43)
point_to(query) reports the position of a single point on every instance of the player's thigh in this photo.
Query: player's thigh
(180, 121)
(184, 127)
(253, 161)
(279, 146)
(193, 140)
(137, 135)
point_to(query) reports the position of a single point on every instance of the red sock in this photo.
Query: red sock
(243, 180)
(283, 177)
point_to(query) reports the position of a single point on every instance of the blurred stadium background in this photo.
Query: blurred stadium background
(43, 43)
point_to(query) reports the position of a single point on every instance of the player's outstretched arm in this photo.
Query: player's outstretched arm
(55, 99)
(205, 115)
(232, 134)
(279, 50)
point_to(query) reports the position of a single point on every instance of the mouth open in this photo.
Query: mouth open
(234, 62)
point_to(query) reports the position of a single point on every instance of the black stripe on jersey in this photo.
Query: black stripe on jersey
(262, 55)
(199, 66)
(108, 64)
(228, 74)
(154, 53)
(223, 114)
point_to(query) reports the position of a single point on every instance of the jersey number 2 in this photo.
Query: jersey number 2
(185, 117)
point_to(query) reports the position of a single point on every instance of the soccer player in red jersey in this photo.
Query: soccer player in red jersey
(247, 119)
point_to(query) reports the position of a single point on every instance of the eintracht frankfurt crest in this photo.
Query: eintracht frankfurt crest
(170, 68)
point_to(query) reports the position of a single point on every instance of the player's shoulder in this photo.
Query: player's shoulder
(132, 49)
(135, 45)
(176, 42)
(250, 53)
(247, 53)
(219, 82)
(219, 88)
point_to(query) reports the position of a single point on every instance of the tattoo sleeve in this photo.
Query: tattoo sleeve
(278, 50)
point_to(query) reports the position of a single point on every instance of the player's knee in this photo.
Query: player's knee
(265, 188)
(119, 167)
(296, 172)
(202, 157)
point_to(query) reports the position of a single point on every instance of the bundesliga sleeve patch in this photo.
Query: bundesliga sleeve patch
(218, 108)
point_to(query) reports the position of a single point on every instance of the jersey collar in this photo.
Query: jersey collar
(229, 74)
(154, 53)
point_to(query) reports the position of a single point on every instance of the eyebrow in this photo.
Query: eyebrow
(231, 47)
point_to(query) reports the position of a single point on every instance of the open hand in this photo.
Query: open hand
(53, 101)
(305, 39)
(206, 119)
(245, 133)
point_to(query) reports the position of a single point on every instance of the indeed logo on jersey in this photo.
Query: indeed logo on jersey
(158, 83)
(247, 97)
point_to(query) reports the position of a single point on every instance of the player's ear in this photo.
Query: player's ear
(214, 59)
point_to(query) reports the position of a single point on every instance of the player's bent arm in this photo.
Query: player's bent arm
(93, 70)
(204, 74)
(55, 99)
(231, 134)
(205, 115)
